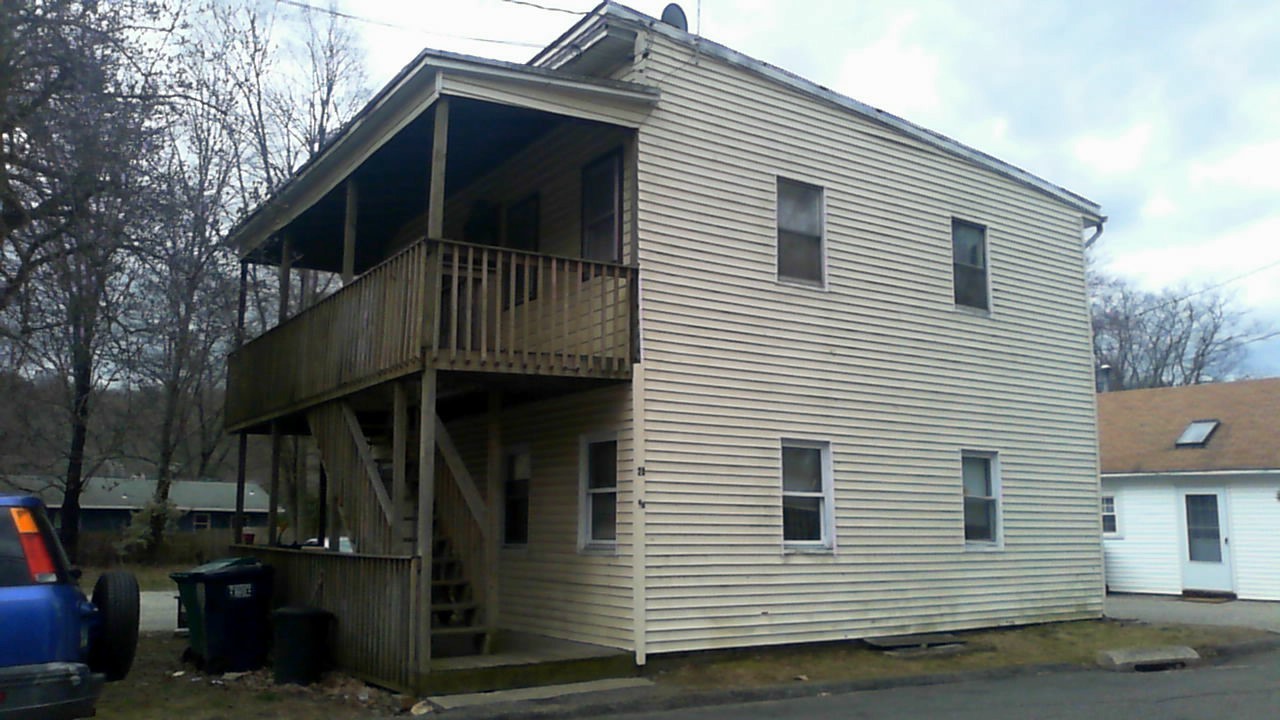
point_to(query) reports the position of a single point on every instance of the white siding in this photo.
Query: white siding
(880, 364)
(1146, 555)
(550, 587)
(1255, 538)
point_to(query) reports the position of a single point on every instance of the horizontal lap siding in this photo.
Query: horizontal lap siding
(550, 588)
(1253, 526)
(881, 365)
(1144, 557)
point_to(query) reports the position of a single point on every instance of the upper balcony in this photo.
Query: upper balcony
(448, 305)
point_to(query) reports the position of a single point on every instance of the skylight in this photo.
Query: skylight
(1197, 433)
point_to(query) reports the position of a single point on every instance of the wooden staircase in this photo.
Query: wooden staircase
(358, 453)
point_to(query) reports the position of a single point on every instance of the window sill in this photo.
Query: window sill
(802, 284)
(808, 550)
(1112, 536)
(602, 549)
(973, 311)
(983, 546)
(515, 549)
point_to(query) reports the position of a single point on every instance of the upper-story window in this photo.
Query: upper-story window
(602, 209)
(969, 261)
(800, 250)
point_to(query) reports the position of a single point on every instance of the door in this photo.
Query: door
(1206, 557)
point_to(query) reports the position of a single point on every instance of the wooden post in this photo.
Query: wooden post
(237, 520)
(493, 471)
(273, 533)
(439, 154)
(299, 489)
(286, 265)
(399, 448)
(322, 509)
(426, 500)
(349, 234)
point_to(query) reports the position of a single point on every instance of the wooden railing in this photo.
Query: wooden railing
(371, 639)
(453, 306)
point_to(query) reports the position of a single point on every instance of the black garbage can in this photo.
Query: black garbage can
(301, 644)
(228, 606)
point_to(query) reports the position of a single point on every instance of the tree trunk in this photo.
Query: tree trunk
(81, 388)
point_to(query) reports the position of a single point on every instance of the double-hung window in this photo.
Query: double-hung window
(981, 479)
(1110, 521)
(602, 209)
(800, 246)
(807, 494)
(599, 492)
(515, 498)
(969, 264)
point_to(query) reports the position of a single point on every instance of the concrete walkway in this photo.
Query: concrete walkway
(1174, 609)
(158, 611)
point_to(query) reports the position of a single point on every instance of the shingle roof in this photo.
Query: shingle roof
(131, 493)
(1137, 428)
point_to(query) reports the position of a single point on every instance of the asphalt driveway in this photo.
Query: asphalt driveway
(1175, 609)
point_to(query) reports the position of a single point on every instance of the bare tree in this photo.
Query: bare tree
(1179, 336)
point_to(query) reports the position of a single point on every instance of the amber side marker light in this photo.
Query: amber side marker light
(39, 560)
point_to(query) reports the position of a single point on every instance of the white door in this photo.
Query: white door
(1206, 557)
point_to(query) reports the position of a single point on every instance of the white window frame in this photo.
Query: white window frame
(986, 264)
(821, 283)
(1115, 512)
(585, 542)
(507, 454)
(196, 521)
(997, 494)
(827, 495)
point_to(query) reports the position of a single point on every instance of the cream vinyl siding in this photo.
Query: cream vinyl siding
(880, 363)
(1146, 556)
(549, 587)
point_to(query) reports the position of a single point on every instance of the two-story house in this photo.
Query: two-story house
(650, 345)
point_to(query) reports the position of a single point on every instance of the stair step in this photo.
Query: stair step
(468, 630)
(453, 607)
(450, 581)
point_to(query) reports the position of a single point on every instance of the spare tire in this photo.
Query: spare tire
(115, 641)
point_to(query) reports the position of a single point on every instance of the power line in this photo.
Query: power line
(548, 8)
(397, 26)
(1210, 288)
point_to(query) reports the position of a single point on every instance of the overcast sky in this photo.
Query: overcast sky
(1167, 112)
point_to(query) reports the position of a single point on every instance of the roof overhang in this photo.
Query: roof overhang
(609, 27)
(432, 75)
(1153, 474)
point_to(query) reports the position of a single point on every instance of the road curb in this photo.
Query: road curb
(665, 699)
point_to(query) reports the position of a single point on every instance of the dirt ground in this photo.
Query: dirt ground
(153, 692)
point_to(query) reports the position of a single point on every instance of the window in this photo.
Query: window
(200, 521)
(800, 232)
(981, 497)
(599, 499)
(515, 498)
(602, 209)
(1110, 525)
(1197, 433)
(806, 494)
(969, 261)
(521, 234)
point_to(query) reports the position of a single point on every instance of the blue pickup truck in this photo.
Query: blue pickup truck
(57, 647)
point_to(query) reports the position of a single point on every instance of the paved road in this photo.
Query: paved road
(1247, 688)
(1173, 609)
(158, 611)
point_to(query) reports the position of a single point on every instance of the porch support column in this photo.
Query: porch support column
(322, 510)
(399, 448)
(273, 532)
(439, 155)
(493, 473)
(426, 501)
(299, 488)
(349, 234)
(286, 266)
(237, 520)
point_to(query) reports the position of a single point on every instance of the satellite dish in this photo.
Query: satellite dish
(674, 16)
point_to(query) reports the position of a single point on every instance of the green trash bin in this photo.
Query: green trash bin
(228, 606)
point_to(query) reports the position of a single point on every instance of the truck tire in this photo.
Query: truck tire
(114, 643)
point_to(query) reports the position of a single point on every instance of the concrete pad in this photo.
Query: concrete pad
(450, 702)
(1176, 609)
(920, 640)
(157, 611)
(1166, 657)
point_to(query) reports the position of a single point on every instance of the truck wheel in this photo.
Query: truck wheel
(112, 646)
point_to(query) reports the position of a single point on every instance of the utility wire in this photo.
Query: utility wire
(1211, 288)
(397, 26)
(548, 8)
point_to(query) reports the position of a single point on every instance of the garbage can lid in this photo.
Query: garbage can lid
(210, 568)
(301, 611)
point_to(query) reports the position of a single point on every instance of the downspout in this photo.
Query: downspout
(1088, 243)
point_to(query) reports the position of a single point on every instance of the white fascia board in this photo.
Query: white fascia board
(1157, 474)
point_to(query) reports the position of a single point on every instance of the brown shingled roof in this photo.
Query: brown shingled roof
(1137, 428)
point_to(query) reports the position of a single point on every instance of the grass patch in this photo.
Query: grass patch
(150, 577)
(1069, 642)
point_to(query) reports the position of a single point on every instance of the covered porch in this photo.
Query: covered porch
(464, 247)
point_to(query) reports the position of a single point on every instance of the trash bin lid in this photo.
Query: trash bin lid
(301, 611)
(217, 566)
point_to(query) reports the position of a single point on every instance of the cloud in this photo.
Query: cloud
(1117, 154)
(893, 73)
(1251, 167)
(1158, 207)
